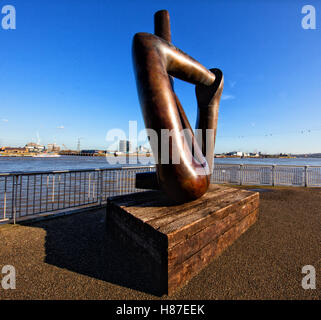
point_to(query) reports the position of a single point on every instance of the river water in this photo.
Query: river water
(27, 164)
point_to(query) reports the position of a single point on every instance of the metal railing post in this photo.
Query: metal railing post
(14, 186)
(273, 175)
(5, 199)
(53, 191)
(305, 176)
(241, 174)
(89, 186)
(100, 180)
(5, 205)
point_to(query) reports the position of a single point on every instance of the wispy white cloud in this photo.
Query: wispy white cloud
(61, 127)
(227, 97)
(4, 120)
(232, 84)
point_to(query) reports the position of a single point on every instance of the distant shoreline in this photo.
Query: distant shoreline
(70, 155)
(144, 155)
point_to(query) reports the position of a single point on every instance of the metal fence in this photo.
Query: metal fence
(27, 194)
(269, 175)
(23, 195)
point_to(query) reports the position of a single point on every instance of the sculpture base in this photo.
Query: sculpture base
(176, 241)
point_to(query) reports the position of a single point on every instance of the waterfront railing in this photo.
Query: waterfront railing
(26, 195)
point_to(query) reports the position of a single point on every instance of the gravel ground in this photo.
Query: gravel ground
(74, 258)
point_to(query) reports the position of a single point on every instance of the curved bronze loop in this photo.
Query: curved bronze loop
(155, 61)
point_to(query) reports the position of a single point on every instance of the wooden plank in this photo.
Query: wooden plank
(195, 242)
(156, 217)
(180, 230)
(148, 238)
(151, 205)
(159, 202)
(196, 210)
(178, 275)
(153, 268)
(155, 196)
(133, 198)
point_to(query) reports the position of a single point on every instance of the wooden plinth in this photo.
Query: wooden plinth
(176, 241)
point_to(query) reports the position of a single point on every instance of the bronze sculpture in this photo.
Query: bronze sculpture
(156, 61)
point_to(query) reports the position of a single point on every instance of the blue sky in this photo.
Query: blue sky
(66, 71)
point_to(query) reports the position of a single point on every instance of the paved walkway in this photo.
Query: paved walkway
(73, 257)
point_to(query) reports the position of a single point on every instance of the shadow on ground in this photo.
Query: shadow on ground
(81, 244)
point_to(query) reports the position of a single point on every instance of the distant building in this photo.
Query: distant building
(235, 154)
(89, 151)
(253, 154)
(125, 146)
(13, 150)
(34, 147)
(52, 147)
